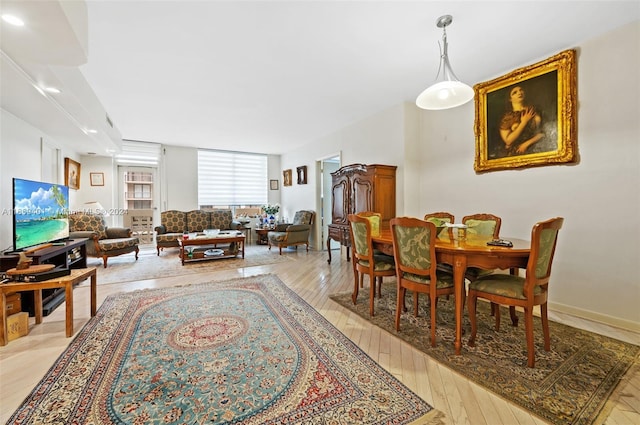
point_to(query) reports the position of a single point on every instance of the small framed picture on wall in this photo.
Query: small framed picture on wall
(97, 179)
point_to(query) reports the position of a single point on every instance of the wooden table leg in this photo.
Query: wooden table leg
(94, 283)
(4, 331)
(242, 243)
(37, 296)
(459, 268)
(68, 295)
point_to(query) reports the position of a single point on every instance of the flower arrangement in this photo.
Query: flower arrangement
(271, 209)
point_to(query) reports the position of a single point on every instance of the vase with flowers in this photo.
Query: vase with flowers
(271, 210)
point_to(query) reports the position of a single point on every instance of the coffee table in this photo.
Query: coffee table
(194, 248)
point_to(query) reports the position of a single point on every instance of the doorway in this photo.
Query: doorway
(327, 166)
(137, 200)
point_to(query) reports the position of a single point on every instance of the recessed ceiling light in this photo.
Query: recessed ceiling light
(51, 90)
(13, 20)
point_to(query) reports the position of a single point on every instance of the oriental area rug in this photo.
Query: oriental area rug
(150, 265)
(244, 351)
(569, 385)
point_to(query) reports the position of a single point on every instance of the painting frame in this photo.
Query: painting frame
(273, 184)
(550, 135)
(96, 179)
(287, 177)
(302, 174)
(72, 173)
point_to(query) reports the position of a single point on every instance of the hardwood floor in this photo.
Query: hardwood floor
(24, 361)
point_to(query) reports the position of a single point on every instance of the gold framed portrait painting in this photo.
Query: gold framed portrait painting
(71, 173)
(528, 117)
(287, 177)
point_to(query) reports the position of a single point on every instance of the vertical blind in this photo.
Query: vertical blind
(231, 178)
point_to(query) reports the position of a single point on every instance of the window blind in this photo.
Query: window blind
(136, 153)
(231, 178)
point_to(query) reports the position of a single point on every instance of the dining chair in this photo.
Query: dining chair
(440, 217)
(483, 224)
(366, 261)
(416, 266)
(525, 292)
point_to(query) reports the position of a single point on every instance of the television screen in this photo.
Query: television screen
(40, 213)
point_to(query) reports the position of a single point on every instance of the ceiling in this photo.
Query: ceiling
(261, 76)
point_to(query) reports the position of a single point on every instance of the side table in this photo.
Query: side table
(67, 282)
(262, 235)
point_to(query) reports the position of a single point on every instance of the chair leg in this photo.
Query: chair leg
(415, 303)
(528, 330)
(280, 249)
(372, 293)
(399, 305)
(354, 296)
(433, 300)
(104, 260)
(545, 327)
(472, 318)
(497, 314)
(514, 317)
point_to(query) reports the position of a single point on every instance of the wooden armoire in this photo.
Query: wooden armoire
(356, 188)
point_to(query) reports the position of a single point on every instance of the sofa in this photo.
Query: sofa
(175, 223)
(293, 234)
(104, 242)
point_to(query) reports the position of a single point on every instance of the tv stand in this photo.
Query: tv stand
(72, 255)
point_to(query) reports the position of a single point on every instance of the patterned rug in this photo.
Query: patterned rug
(240, 351)
(569, 385)
(124, 268)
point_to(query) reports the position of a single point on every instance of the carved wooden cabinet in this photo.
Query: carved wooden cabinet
(356, 188)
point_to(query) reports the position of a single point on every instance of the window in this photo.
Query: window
(231, 178)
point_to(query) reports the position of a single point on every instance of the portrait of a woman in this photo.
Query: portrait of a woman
(524, 118)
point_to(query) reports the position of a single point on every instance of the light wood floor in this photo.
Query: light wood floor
(24, 361)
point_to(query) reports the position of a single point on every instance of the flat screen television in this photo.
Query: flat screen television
(40, 213)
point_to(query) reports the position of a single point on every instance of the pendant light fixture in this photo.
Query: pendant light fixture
(447, 92)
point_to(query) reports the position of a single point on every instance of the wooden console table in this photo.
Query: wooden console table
(66, 282)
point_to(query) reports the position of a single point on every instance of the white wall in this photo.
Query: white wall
(21, 157)
(596, 265)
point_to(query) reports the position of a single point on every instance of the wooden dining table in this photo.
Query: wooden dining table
(463, 252)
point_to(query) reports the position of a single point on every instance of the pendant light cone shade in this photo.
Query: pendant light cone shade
(447, 92)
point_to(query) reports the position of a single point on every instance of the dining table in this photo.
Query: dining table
(462, 251)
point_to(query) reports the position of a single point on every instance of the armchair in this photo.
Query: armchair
(294, 234)
(104, 242)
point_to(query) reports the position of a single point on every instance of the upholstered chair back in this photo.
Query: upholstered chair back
(174, 221)
(303, 217)
(360, 240)
(198, 220)
(374, 220)
(221, 219)
(85, 222)
(413, 246)
(483, 224)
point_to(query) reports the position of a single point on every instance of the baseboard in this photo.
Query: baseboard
(596, 317)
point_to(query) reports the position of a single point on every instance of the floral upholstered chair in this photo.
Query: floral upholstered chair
(366, 261)
(525, 292)
(416, 267)
(104, 242)
(294, 234)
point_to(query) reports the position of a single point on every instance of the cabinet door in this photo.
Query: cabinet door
(340, 200)
(385, 197)
(362, 199)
